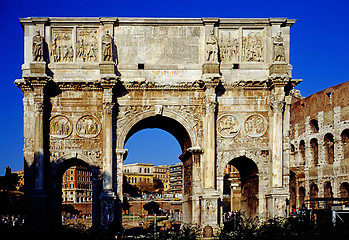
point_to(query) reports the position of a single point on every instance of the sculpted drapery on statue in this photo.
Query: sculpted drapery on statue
(279, 50)
(38, 47)
(211, 48)
(107, 41)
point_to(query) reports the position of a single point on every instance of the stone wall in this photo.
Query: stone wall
(319, 146)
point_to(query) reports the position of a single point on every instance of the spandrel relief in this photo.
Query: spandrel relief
(87, 45)
(253, 46)
(229, 46)
(61, 45)
(60, 127)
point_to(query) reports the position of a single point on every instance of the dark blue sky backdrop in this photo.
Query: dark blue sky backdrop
(319, 53)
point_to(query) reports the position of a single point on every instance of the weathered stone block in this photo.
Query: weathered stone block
(107, 68)
(38, 67)
(278, 68)
(210, 68)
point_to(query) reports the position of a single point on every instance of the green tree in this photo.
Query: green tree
(130, 189)
(158, 184)
(151, 207)
(9, 181)
(125, 205)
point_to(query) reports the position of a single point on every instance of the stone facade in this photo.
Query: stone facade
(319, 160)
(220, 86)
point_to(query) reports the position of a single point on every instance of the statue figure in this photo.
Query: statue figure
(107, 40)
(38, 47)
(211, 48)
(279, 49)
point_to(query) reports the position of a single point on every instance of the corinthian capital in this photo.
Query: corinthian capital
(277, 106)
(108, 107)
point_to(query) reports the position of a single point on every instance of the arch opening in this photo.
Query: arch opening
(240, 188)
(329, 148)
(345, 146)
(75, 193)
(302, 152)
(314, 149)
(170, 171)
(165, 123)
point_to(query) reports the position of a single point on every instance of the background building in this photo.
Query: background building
(77, 188)
(176, 178)
(139, 172)
(162, 172)
(319, 160)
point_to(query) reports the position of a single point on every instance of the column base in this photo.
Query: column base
(108, 199)
(276, 205)
(210, 211)
(36, 209)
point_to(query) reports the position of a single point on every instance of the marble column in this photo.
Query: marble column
(277, 157)
(107, 196)
(210, 138)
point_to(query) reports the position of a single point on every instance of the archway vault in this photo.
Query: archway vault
(182, 127)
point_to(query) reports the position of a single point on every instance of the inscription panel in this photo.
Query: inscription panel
(158, 45)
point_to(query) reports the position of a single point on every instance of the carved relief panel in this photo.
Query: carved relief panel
(255, 125)
(253, 45)
(229, 46)
(62, 45)
(242, 130)
(87, 45)
(60, 127)
(88, 126)
(228, 126)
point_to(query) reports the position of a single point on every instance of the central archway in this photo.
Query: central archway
(165, 123)
(178, 127)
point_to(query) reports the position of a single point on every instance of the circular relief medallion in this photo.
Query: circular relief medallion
(60, 127)
(88, 127)
(228, 126)
(255, 125)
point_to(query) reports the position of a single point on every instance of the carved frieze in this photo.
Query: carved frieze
(229, 46)
(60, 127)
(88, 127)
(228, 126)
(62, 45)
(253, 45)
(255, 125)
(75, 143)
(87, 45)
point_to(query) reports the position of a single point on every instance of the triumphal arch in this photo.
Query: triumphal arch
(220, 86)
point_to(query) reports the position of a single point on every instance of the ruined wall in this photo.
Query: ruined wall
(319, 145)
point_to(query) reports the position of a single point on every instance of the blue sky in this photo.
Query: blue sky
(319, 53)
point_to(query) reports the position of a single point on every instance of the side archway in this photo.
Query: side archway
(58, 168)
(248, 183)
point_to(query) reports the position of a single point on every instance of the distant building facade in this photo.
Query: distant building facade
(176, 178)
(139, 172)
(319, 160)
(76, 186)
(162, 172)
